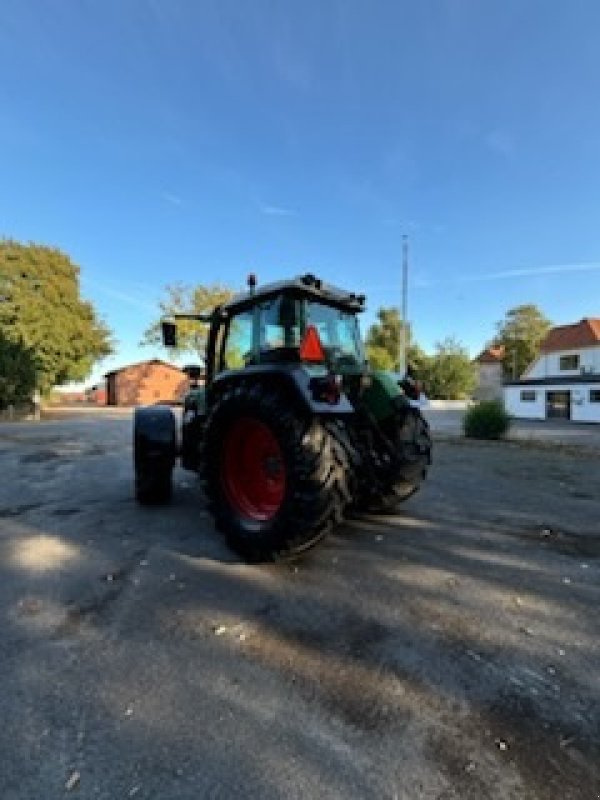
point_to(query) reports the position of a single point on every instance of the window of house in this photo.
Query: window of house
(594, 395)
(569, 362)
(528, 396)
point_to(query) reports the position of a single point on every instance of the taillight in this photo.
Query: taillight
(311, 348)
(326, 389)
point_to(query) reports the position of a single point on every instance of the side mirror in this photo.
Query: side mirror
(169, 334)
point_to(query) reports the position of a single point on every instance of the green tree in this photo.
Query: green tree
(17, 373)
(41, 307)
(383, 342)
(449, 374)
(181, 299)
(521, 333)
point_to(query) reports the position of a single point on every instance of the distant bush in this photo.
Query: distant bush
(486, 421)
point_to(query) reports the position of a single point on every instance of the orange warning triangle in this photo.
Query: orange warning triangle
(311, 348)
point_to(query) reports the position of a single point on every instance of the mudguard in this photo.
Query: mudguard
(295, 377)
(154, 437)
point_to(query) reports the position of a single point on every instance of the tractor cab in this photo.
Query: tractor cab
(287, 326)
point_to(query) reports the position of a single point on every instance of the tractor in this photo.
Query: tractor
(292, 429)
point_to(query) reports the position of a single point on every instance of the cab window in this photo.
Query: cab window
(279, 323)
(238, 344)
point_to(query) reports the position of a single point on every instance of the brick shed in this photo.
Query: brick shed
(147, 382)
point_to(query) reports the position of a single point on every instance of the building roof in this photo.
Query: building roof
(494, 354)
(150, 361)
(585, 333)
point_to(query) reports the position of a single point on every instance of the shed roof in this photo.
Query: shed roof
(494, 354)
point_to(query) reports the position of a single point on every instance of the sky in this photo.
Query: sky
(162, 141)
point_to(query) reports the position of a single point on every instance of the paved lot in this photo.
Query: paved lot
(449, 652)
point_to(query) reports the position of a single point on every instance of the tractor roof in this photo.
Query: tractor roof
(304, 286)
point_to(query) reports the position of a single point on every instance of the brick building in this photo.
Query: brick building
(96, 395)
(144, 383)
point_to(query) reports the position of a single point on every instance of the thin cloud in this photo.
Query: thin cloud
(500, 142)
(519, 272)
(423, 282)
(275, 211)
(171, 198)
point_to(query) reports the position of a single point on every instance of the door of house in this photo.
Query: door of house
(558, 405)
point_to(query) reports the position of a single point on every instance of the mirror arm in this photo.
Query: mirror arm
(193, 317)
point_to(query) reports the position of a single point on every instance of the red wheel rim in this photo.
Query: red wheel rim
(253, 470)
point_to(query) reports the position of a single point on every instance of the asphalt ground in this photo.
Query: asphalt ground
(451, 651)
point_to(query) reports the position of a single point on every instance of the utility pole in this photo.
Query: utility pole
(404, 311)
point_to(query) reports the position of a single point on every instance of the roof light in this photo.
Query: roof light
(311, 348)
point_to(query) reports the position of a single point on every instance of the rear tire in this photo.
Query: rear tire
(276, 477)
(409, 433)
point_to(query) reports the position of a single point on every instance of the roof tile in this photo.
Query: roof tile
(585, 333)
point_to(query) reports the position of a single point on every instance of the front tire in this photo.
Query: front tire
(153, 486)
(276, 477)
(154, 450)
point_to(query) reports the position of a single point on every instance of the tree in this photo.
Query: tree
(521, 333)
(383, 342)
(180, 299)
(42, 309)
(449, 374)
(17, 373)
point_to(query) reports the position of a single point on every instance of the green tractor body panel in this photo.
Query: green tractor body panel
(381, 397)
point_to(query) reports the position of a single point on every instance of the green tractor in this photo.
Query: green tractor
(291, 428)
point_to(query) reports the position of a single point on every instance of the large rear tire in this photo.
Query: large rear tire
(276, 477)
(409, 433)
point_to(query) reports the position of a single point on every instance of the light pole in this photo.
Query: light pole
(403, 314)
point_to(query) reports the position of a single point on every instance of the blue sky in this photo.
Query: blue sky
(159, 141)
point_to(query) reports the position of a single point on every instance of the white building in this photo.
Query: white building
(490, 365)
(564, 381)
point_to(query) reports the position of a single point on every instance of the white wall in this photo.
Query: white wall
(548, 364)
(489, 382)
(514, 406)
(584, 411)
(581, 408)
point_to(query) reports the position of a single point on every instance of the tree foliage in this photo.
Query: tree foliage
(42, 309)
(383, 342)
(181, 299)
(521, 333)
(449, 374)
(17, 373)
